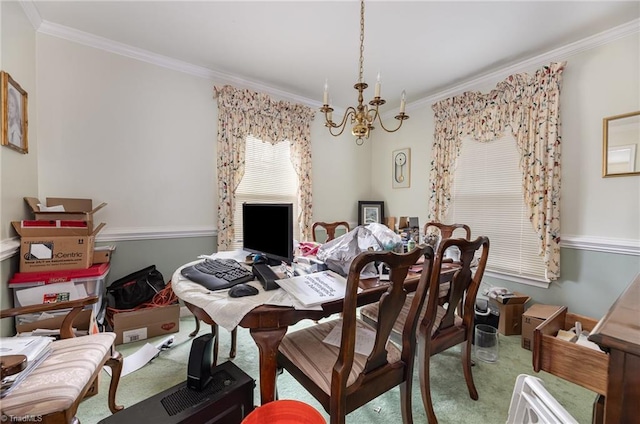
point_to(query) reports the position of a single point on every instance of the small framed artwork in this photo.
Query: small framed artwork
(370, 211)
(13, 113)
(401, 168)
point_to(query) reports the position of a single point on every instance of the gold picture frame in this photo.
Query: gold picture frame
(621, 145)
(13, 114)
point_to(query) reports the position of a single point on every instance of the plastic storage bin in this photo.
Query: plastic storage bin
(30, 288)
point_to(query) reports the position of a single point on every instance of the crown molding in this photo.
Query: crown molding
(91, 40)
(81, 37)
(555, 55)
(32, 13)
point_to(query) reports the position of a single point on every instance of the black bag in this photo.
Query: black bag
(135, 289)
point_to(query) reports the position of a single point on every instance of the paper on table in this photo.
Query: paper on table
(365, 338)
(282, 298)
(316, 288)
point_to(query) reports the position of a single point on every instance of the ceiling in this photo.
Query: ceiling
(423, 47)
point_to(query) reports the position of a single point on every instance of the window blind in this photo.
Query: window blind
(269, 177)
(488, 196)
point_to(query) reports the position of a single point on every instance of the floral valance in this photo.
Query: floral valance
(241, 113)
(530, 106)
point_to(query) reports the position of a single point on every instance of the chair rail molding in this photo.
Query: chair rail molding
(600, 244)
(10, 246)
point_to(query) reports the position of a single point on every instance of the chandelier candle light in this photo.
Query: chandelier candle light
(362, 117)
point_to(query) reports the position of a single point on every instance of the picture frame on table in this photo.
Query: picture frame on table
(13, 114)
(370, 211)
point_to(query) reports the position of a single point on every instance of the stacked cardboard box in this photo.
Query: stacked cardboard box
(61, 237)
(57, 256)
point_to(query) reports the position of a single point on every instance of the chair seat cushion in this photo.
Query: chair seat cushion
(371, 311)
(307, 351)
(58, 381)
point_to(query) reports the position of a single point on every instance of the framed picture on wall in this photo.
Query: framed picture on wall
(13, 114)
(370, 211)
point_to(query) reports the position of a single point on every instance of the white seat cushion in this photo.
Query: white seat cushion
(305, 348)
(56, 383)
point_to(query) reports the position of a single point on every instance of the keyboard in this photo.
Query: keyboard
(217, 274)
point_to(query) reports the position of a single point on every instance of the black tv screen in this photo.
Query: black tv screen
(268, 229)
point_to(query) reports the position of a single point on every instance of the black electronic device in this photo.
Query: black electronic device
(227, 399)
(242, 290)
(266, 276)
(217, 274)
(267, 229)
(200, 362)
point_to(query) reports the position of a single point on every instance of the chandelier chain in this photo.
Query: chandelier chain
(361, 79)
(361, 116)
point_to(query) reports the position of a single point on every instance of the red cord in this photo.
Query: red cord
(164, 297)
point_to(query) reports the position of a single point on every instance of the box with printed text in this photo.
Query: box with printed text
(141, 324)
(46, 249)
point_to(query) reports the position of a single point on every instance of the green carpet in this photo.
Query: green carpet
(451, 400)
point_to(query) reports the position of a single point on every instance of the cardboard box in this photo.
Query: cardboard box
(533, 317)
(74, 209)
(511, 309)
(102, 254)
(42, 251)
(145, 323)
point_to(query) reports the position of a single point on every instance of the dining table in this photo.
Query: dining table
(268, 324)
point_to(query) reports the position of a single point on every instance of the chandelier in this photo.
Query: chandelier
(362, 117)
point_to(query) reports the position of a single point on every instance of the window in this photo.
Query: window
(487, 196)
(269, 177)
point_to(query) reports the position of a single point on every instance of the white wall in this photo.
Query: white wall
(19, 171)
(597, 83)
(597, 214)
(143, 139)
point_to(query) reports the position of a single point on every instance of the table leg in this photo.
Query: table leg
(268, 341)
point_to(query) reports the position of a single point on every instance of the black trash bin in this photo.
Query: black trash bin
(485, 314)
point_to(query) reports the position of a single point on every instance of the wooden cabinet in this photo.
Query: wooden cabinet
(619, 334)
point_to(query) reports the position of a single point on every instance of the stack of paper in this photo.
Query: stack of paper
(316, 288)
(35, 348)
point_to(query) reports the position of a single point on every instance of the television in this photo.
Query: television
(267, 229)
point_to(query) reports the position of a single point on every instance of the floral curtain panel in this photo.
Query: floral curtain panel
(530, 106)
(241, 113)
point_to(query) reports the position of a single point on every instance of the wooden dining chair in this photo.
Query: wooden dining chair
(441, 325)
(446, 230)
(330, 228)
(342, 379)
(435, 232)
(452, 324)
(52, 392)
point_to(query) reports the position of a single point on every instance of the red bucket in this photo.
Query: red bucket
(284, 412)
